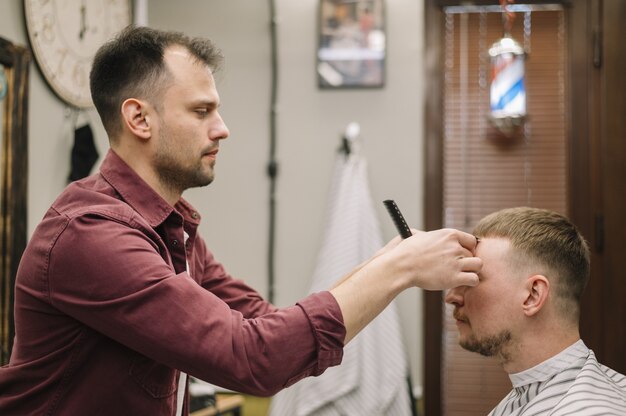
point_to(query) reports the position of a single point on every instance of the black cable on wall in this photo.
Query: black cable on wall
(272, 166)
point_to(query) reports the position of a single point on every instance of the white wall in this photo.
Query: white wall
(310, 122)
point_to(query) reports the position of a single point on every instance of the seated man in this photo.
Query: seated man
(525, 311)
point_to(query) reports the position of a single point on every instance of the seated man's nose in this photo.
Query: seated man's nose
(454, 296)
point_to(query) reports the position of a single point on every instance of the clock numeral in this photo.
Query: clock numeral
(79, 74)
(47, 28)
(62, 54)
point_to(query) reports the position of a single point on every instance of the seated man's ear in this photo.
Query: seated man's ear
(537, 289)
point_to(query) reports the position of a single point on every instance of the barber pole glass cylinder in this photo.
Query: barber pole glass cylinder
(507, 92)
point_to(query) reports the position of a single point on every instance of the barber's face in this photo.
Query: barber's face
(190, 126)
(486, 313)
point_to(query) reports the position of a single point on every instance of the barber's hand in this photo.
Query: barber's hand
(389, 246)
(440, 259)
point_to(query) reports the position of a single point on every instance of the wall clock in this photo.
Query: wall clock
(65, 35)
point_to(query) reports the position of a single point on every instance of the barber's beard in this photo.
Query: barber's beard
(488, 346)
(173, 173)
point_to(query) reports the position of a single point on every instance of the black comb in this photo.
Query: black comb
(397, 218)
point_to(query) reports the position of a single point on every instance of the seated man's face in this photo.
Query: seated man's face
(486, 314)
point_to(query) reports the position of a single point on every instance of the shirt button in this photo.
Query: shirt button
(175, 243)
(194, 215)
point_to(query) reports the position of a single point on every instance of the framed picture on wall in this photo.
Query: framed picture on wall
(351, 50)
(14, 64)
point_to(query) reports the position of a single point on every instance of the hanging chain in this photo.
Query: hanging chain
(527, 128)
(527, 30)
(507, 16)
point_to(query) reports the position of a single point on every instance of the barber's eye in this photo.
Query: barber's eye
(202, 112)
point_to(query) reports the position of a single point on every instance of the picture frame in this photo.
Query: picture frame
(351, 49)
(14, 60)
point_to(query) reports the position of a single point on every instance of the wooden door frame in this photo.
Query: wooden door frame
(433, 198)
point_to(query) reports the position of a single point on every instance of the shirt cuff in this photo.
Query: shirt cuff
(326, 319)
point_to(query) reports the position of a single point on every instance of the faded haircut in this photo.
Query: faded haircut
(549, 239)
(131, 66)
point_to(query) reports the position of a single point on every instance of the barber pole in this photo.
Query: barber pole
(507, 92)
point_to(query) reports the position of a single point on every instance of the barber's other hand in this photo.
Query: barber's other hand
(438, 260)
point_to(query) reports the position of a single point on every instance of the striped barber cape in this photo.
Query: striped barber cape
(572, 382)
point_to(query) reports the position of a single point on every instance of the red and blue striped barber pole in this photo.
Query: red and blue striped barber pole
(508, 93)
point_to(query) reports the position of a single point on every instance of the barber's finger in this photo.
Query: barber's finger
(463, 253)
(471, 264)
(467, 240)
(465, 279)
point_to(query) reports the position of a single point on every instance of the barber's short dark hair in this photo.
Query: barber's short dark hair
(546, 238)
(131, 66)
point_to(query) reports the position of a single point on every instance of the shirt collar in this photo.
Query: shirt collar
(139, 195)
(552, 366)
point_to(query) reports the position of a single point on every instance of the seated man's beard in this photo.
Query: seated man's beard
(488, 346)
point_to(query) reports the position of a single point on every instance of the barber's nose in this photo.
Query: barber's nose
(456, 295)
(219, 130)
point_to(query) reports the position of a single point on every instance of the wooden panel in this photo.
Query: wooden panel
(585, 180)
(598, 161)
(613, 166)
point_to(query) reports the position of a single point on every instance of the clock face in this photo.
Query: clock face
(65, 35)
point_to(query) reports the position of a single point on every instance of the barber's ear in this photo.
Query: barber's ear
(136, 117)
(538, 289)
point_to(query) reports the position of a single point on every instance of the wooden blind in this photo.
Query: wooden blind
(484, 171)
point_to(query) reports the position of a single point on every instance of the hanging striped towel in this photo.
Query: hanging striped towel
(372, 379)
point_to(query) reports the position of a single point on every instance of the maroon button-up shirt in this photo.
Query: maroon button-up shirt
(106, 313)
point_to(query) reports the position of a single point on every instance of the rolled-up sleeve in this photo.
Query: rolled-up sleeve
(326, 321)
